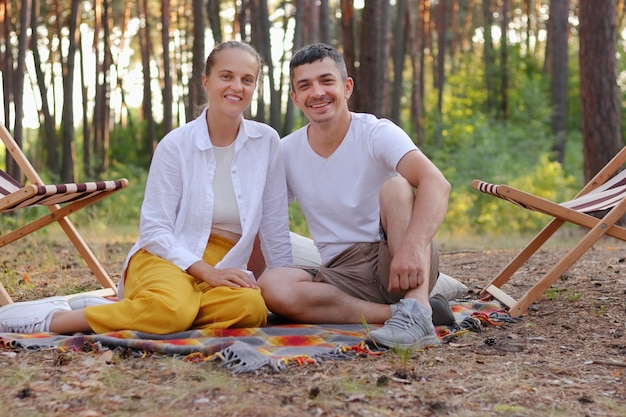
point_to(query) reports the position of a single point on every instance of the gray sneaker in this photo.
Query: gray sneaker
(81, 301)
(31, 316)
(406, 329)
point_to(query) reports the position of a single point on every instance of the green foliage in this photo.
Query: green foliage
(128, 145)
(516, 151)
(297, 222)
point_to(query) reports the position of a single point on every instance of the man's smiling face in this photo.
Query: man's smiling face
(319, 90)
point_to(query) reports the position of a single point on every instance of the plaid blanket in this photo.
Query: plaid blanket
(245, 350)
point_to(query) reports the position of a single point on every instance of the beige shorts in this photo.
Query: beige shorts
(362, 271)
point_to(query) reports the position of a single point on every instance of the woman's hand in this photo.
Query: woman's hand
(216, 277)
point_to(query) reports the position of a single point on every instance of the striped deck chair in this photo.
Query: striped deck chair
(61, 200)
(597, 207)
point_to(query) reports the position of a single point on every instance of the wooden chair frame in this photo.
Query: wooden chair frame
(57, 214)
(562, 213)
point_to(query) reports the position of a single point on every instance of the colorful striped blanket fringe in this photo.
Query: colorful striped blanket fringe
(274, 347)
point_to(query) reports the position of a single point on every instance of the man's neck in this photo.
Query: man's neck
(326, 137)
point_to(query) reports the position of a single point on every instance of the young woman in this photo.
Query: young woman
(214, 185)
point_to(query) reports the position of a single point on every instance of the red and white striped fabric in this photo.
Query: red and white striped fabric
(17, 196)
(604, 197)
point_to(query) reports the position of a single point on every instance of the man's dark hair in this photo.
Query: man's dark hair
(317, 52)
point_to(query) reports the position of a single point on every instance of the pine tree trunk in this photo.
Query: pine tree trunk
(598, 84)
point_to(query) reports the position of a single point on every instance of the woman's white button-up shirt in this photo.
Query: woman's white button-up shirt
(177, 210)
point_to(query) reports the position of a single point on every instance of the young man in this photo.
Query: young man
(373, 203)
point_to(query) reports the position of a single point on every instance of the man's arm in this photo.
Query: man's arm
(410, 242)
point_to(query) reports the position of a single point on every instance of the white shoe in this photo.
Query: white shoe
(81, 301)
(407, 328)
(31, 316)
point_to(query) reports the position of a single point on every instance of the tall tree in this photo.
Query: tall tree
(6, 58)
(504, 60)
(311, 22)
(348, 42)
(241, 19)
(440, 74)
(489, 56)
(145, 42)
(213, 11)
(399, 53)
(49, 128)
(559, 32)
(325, 35)
(599, 94)
(102, 108)
(196, 94)
(416, 42)
(68, 157)
(168, 98)
(455, 32)
(298, 42)
(16, 88)
(261, 41)
(373, 59)
(87, 142)
(467, 27)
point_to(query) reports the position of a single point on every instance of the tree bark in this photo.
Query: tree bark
(349, 44)
(49, 126)
(559, 27)
(373, 59)
(416, 43)
(68, 157)
(85, 105)
(440, 79)
(489, 59)
(167, 76)
(399, 53)
(17, 86)
(149, 141)
(504, 61)
(325, 35)
(213, 11)
(196, 95)
(599, 95)
(6, 59)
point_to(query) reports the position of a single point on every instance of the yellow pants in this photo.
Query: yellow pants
(160, 298)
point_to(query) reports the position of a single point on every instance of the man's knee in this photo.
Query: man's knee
(396, 185)
(395, 193)
(279, 289)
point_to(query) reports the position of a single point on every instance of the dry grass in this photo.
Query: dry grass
(547, 365)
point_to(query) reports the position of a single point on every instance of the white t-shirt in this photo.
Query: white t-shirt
(339, 195)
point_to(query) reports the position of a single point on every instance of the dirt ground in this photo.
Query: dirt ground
(566, 357)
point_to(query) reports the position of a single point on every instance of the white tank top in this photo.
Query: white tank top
(225, 211)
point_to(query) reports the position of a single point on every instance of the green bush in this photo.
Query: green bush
(515, 151)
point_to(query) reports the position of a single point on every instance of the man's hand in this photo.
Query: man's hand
(409, 269)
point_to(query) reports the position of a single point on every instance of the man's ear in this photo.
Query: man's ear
(349, 87)
(294, 99)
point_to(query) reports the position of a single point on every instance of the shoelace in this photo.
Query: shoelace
(24, 328)
(402, 320)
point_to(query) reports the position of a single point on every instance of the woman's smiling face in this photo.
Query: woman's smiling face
(231, 80)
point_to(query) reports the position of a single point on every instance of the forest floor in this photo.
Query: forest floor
(566, 357)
